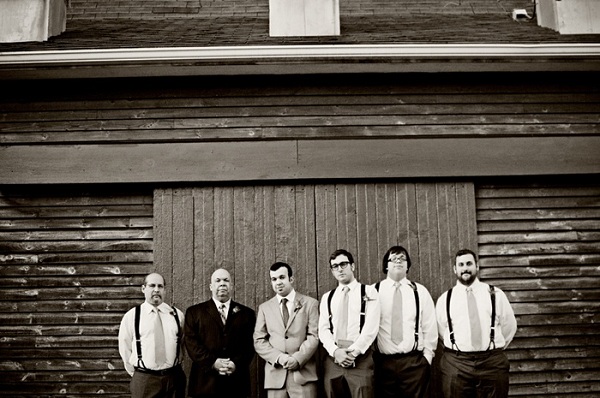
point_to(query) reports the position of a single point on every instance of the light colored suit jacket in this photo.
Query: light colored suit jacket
(299, 338)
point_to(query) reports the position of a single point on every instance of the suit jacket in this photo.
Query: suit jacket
(299, 338)
(206, 339)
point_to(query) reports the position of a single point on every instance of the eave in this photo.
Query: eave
(299, 59)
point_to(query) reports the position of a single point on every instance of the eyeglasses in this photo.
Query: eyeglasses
(397, 260)
(341, 265)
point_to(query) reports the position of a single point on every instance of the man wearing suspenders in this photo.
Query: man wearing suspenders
(348, 325)
(407, 335)
(150, 344)
(476, 324)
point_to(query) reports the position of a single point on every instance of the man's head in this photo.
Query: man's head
(342, 266)
(465, 266)
(221, 285)
(281, 278)
(396, 263)
(154, 289)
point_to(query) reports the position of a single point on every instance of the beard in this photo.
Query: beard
(466, 278)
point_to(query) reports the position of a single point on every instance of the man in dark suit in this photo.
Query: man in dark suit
(218, 339)
(286, 337)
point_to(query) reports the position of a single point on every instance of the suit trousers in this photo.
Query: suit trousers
(401, 375)
(356, 382)
(144, 385)
(474, 375)
(293, 389)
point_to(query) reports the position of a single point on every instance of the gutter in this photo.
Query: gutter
(299, 59)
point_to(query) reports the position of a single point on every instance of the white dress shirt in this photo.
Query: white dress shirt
(363, 340)
(506, 324)
(127, 345)
(427, 322)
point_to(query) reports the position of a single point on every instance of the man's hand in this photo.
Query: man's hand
(291, 363)
(343, 358)
(224, 366)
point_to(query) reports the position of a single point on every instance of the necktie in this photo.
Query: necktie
(342, 329)
(284, 311)
(159, 340)
(474, 320)
(223, 315)
(397, 315)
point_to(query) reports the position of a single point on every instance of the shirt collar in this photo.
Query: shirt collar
(148, 308)
(351, 285)
(402, 281)
(218, 304)
(475, 285)
(290, 297)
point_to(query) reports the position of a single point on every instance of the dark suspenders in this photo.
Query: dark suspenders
(417, 304)
(363, 305)
(493, 320)
(138, 339)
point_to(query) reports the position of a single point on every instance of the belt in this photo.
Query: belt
(473, 353)
(161, 372)
(401, 355)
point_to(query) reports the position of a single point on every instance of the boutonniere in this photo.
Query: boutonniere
(236, 309)
(367, 298)
(298, 306)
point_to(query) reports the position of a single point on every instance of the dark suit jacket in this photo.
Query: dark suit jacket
(206, 339)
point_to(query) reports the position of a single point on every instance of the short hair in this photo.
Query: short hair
(395, 250)
(341, 252)
(463, 252)
(280, 264)
(154, 273)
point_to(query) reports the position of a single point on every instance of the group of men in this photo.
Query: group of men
(379, 340)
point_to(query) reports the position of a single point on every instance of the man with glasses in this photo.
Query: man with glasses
(348, 325)
(407, 331)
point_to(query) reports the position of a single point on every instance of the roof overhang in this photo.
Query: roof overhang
(299, 59)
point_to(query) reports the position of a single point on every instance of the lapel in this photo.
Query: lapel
(213, 312)
(298, 303)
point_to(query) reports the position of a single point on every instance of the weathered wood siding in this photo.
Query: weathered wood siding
(246, 228)
(540, 243)
(317, 128)
(71, 263)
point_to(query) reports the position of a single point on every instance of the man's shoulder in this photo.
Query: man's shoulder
(200, 306)
(306, 299)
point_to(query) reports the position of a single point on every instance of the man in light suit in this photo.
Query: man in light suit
(218, 339)
(286, 337)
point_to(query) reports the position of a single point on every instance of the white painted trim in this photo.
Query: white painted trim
(305, 52)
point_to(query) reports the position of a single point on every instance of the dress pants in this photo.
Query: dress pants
(481, 374)
(356, 382)
(401, 375)
(144, 385)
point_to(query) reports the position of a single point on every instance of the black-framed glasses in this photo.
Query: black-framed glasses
(341, 265)
(397, 260)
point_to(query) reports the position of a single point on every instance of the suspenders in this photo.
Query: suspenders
(417, 304)
(138, 340)
(492, 344)
(363, 305)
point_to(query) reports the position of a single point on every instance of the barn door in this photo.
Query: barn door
(246, 228)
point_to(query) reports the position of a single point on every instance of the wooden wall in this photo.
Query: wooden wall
(298, 128)
(72, 261)
(540, 242)
(247, 228)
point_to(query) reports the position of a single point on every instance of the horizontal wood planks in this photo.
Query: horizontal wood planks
(72, 261)
(539, 241)
(281, 128)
